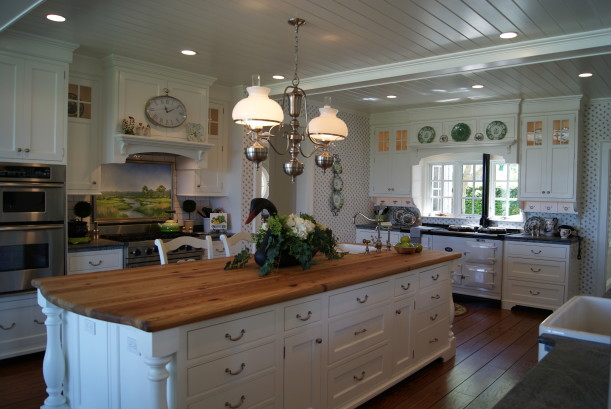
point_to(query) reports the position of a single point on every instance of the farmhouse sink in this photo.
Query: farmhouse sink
(582, 317)
(353, 247)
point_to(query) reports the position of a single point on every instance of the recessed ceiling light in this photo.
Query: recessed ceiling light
(370, 99)
(585, 74)
(278, 77)
(391, 96)
(477, 86)
(56, 17)
(188, 52)
(509, 34)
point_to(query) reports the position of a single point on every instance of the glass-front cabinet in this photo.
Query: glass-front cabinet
(548, 157)
(391, 163)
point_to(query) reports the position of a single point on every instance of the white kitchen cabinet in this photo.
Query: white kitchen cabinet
(83, 174)
(403, 333)
(391, 163)
(22, 325)
(302, 368)
(548, 162)
(539, 275)
(32, 109)
(95, 260)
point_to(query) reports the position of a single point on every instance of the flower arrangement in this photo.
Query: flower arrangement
(292, 239)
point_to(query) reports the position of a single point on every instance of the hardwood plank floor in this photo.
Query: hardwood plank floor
(495, 349)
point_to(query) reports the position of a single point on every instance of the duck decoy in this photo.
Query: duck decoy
(257, 205)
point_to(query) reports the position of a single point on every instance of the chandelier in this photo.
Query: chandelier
(263, 119)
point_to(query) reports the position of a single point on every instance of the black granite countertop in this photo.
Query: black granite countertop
(541, 239)
(573, 375)
(94, 245)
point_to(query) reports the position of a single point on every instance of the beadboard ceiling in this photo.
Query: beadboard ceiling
(426, 52)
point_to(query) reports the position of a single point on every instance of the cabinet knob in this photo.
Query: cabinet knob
(26, 150)
(548, 192)
(543, 192)
(19, 149)
(199, 186)
(319, 340)
(94, 183)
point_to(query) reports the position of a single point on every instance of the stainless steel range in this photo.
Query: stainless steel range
(141, 250)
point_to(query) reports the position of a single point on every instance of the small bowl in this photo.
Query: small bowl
(405, 250)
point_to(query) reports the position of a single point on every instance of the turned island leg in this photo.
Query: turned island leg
(54, 365)
(158, 376)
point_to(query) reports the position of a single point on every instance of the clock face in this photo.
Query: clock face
(166, 111)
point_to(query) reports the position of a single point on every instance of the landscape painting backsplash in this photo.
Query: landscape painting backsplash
(135, 191)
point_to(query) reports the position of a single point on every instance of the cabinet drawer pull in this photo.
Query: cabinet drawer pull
(432, 341)
(536, 252)
(435, 277)
(435, 297)
(239, 371)
(5, 328)
(361, 331)
(91, 263)
(39, 322)
(299, 317)
(434, 317)
(406, 287)
(535, 270)
(236, 338)
(364, 300)
(534, 292)
(236, 406)
(359, 378)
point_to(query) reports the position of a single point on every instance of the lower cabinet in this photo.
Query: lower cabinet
(302, 368)
(22, 325)
(95, 260)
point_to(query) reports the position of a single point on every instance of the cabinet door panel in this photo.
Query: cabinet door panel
(11, 106)
(196, 102)
(131, 85)
(302, 369)
(534, 172)
(561, 171)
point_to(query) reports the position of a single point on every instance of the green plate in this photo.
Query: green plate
(496, 130)
(426, 134)
(78, 240)
(461, 132)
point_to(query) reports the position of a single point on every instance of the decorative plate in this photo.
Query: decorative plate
(479, 136)
(460, 132)
(337, 166)
(426, 134)
(404, 216)
(338, 183)
(496, 130)
(443, 138)
(534, 223)
(338, 200)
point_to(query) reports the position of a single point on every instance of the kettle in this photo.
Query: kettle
(169, 225)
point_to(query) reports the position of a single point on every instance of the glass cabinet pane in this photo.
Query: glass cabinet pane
(561, 131)
(534, 133)
(383, 141)
(401, 140)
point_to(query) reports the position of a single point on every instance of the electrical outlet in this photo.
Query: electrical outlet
(132, 345)
(90, 327)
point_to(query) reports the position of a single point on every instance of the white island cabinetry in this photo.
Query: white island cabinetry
(22, 329)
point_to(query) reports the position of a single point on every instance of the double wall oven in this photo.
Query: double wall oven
(32, 224)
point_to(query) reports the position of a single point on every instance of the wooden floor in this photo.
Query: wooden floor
(494, 350)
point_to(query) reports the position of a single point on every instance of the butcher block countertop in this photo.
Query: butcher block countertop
(155, 298)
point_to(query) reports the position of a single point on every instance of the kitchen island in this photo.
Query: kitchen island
(192, 335)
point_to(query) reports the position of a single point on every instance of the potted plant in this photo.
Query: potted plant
(78, 228)
(189, 206)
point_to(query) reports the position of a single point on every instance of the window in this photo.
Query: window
(456, 189)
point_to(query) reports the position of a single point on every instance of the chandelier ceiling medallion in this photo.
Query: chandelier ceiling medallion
(264, 119)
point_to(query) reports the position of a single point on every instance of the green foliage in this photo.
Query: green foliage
(239, 260)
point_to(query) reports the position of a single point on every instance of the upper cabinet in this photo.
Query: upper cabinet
(34, 99)
(130, 84)
(548, 154)
(391, 163)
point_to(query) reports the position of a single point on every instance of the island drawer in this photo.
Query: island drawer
(406, 285)
(431, 339)
(230, 334)
(533, 293)
(537, 250)
(439, 294)
(546, 270)
(351, 334)
(302, 314)
(244, 395)
(359, 299)
(229, 369)
(432, 316)
(357, 376)
(91, 261)
(433, 276)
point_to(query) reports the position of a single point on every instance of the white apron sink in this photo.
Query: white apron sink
(353, 248)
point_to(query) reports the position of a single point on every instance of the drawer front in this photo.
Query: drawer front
(431, 340)
(359, 299)
(550, 271)
(433, 276)
(541, 294)
(244, 395)
(230, 334)
(537, 250)
(22, 322)
(87, 262)
(349, 335)
(355, 378)
(406, 285)
(439, 294)
(433, 316)
(302, 314)
(226, 370)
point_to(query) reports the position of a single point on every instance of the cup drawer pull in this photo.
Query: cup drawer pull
(239, 337)
(239, 371)
(359, 378)
(406, 287)
(363, 300)
(307, 317)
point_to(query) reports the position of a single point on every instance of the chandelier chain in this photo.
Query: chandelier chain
(295, 81)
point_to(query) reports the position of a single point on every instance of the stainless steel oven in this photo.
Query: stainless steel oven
(32, 224)
(30, 251)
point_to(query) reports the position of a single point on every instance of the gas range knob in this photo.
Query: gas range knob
(148, 251)
(136, 252)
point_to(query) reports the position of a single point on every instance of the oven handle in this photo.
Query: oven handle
(31, 227)
(33, 184)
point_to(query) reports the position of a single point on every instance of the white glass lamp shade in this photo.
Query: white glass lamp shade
(257, 110)
(327, 127)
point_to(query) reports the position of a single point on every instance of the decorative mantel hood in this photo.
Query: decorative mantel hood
(129, 144)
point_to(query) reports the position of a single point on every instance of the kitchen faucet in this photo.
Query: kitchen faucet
(378, 221)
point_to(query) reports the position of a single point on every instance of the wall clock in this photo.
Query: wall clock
(166, 111)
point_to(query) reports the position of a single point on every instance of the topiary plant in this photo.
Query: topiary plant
(189, 206)
(82, 209)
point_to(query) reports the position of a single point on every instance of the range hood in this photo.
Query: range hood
(125, 145)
